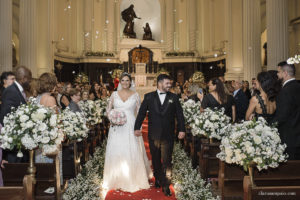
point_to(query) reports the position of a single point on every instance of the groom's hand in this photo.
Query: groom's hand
(181, 135)
(138, 133)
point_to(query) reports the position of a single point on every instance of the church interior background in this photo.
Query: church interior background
(231, 38)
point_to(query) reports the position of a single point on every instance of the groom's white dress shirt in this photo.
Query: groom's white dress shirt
(161, 96)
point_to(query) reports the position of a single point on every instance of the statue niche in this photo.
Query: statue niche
(147, 32)
(128, 15)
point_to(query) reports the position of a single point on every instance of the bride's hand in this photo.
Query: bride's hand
(138, 133)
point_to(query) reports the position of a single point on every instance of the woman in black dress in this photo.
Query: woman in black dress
(263, 104)
(217, 98)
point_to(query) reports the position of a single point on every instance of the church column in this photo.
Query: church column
(110, 23)
(88, 7)
(170, 25)
(28, 35)
(5, 36)
(251, 38)
(192, 24)
(277, 32)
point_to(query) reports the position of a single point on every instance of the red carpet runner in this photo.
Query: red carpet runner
(150, 194)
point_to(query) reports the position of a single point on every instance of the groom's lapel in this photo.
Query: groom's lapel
(156, 102)
(166, 104)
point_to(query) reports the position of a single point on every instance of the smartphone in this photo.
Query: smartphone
(201, 91)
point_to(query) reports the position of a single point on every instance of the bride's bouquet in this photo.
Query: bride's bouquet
(117, 117)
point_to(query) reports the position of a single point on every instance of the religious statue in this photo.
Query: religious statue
(148, 34)
(128, 16)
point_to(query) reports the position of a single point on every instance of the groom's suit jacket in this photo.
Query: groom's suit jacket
(161, 118)
(288, 114)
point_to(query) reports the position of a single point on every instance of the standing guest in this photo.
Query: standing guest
(254, 89)
(59, 93)
(96, 90)
(65, 98)
(85, 95)
(33, 88)
(7, 78)
(92, 95)
(104, 93)
(288, 110)
(246, 89)
(263, 103)
(75, 98)
(217, 98)
(241, 100)
(228, 87)
(13, 96)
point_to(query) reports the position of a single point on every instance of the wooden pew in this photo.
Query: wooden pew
(17, 192)
(188, 141)
(71, 160)
(45, 177)
(208, 162)
(231, 177)
(230, 181)
(269, 192)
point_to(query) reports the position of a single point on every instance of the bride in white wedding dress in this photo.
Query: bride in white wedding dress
(126, 164)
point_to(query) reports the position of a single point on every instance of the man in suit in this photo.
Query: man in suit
(163, 107)
(288, 110)
(14, 96)
(241, 100)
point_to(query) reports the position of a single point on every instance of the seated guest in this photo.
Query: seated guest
(288, 110)
(13, 96)
(263, 104)
(240, 99)
(75, 98)
(217, 98)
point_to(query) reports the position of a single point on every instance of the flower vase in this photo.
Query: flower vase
(31, 169)
(250, 170)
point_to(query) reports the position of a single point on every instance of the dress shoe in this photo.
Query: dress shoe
(157, 184)
(166, 191)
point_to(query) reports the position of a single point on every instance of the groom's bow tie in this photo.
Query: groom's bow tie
(162, 93)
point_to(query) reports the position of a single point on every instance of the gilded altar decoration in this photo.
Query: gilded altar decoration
(116, 73)
(180, 54)
(198, 78)
(100, 53)
(81, 78)
(140, 55)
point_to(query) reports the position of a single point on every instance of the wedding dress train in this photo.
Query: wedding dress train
(126, 164)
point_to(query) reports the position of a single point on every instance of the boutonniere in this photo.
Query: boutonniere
(170, 100)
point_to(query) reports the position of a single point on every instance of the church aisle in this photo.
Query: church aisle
(152, 193)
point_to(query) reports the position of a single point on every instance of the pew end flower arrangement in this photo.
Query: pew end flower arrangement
(91, 113)
(73, 125)
(31, 126)
(211, 123)
(253, 144)
(190, 109)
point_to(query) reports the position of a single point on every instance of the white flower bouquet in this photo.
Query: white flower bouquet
(190, 110)
(31, 126)
(253, 142)
(73, 125)
(90, 111)
(117, 117)
(211, 123)
(101, 105)
(293, 60)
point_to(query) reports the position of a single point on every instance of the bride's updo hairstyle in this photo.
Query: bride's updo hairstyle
(128, 75)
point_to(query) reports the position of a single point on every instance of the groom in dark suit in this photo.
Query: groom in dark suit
(14, 96)
(163, 107)
(288, 110)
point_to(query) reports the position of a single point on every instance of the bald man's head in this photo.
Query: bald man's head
(23, 76)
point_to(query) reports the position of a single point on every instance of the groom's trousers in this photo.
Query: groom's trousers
(161, 152)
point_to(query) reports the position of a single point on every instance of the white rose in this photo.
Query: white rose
(45, 140)
(24, 118)
(257, 139)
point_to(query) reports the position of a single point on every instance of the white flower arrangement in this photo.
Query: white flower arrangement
(186, 180)
(211, 123)
(31, 126)
(293, 60)
(73, 125)
(101, 105)
(190, 109)
(92, 114)
(253, 142)
(88, 184)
